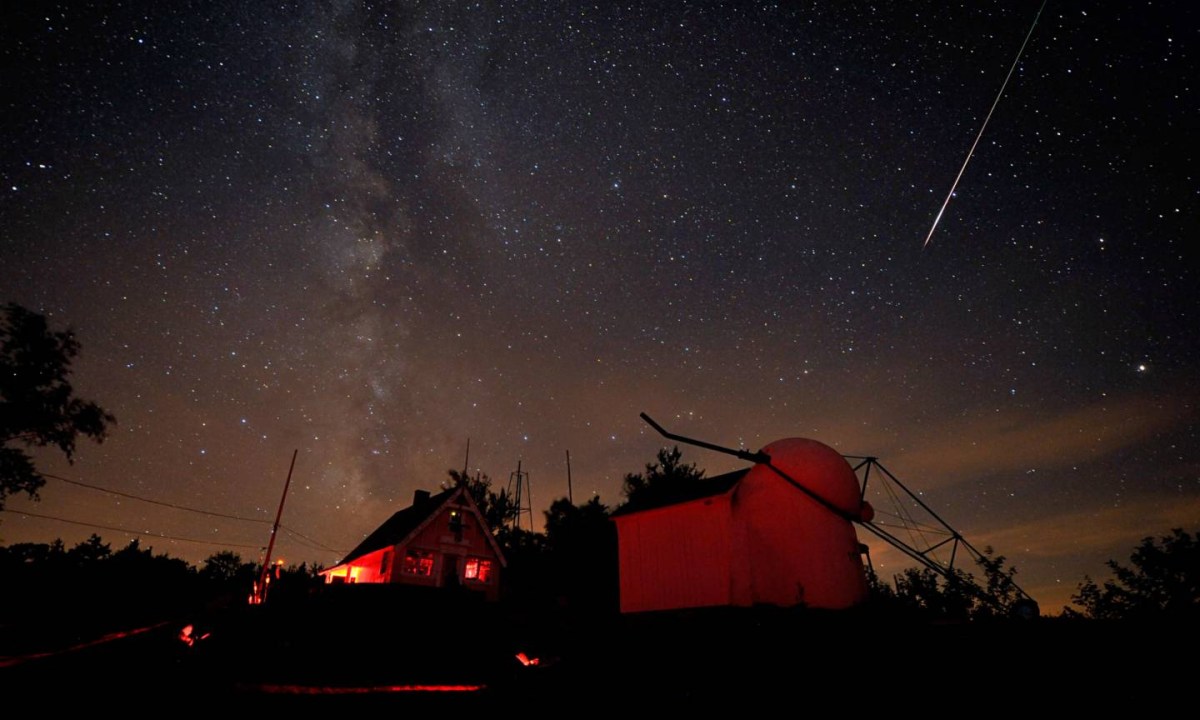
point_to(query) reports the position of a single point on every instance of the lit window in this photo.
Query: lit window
(478, 569)
(456, 524)
(418, 562)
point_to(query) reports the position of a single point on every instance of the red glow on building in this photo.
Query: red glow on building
(440, 541)
(478, 569)
(779, 535)
(418, 562)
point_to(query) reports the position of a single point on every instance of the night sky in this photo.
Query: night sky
(371, 231)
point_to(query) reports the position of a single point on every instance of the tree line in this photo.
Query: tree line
(571, 564)
(569, 567)
(53, 594)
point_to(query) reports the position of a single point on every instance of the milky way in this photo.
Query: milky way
(373, 231)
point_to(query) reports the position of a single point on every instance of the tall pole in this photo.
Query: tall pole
(570, 497)
(266, 568)
(517, 497)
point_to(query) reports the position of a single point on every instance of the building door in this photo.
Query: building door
(450, 571)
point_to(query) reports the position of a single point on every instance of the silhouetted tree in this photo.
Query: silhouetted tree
(38, 407)
(1001, 595)
(135, 585)
(294, 582)
(660, 479)
(570, 526)
(91, 589)
(226, 569)
(581, 543)
(89, 552)
(925, 593)
(31, 555)
(1163, 581)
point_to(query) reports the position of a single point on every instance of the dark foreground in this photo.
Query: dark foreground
(368, 651)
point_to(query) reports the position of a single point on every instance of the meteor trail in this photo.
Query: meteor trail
(983, 127)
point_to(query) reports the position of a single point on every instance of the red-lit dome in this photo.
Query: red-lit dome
(820, 469)
(757, 539)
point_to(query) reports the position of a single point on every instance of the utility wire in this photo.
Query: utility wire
(156, 502)
(127, 530)
(314, 542)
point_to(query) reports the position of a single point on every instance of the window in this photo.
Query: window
(456, 525)
(478, 570)
(418, 562)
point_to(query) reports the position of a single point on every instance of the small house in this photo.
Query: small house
(750, 537)
(441, 541)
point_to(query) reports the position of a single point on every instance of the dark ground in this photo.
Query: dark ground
(342, 651)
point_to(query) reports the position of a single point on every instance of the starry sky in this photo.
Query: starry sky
(369, 232)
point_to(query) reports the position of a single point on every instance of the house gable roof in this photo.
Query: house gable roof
(703, 488)
(399, 526)
(406, 523)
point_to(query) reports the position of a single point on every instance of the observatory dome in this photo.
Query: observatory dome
(820, 469)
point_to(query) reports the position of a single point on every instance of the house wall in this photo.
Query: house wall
(675, 557)
(369, 568)
(451, 551)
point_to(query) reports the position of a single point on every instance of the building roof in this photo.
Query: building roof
(703, 488)
(400, 525)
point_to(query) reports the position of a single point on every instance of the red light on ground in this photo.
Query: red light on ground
(526, 660)
(370, 690)
(11, 661)
(189, 637)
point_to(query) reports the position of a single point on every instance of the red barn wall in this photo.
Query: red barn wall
(764, 542)
(676, 557)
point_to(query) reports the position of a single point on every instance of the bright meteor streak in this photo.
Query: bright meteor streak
(971, 152)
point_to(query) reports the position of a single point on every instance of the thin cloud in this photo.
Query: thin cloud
(1104, 530)
(1010, 442)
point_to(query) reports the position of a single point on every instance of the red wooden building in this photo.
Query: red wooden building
(441, 541)
(749, 538)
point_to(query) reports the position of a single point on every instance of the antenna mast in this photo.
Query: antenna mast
(467, 459)
(522, 496)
